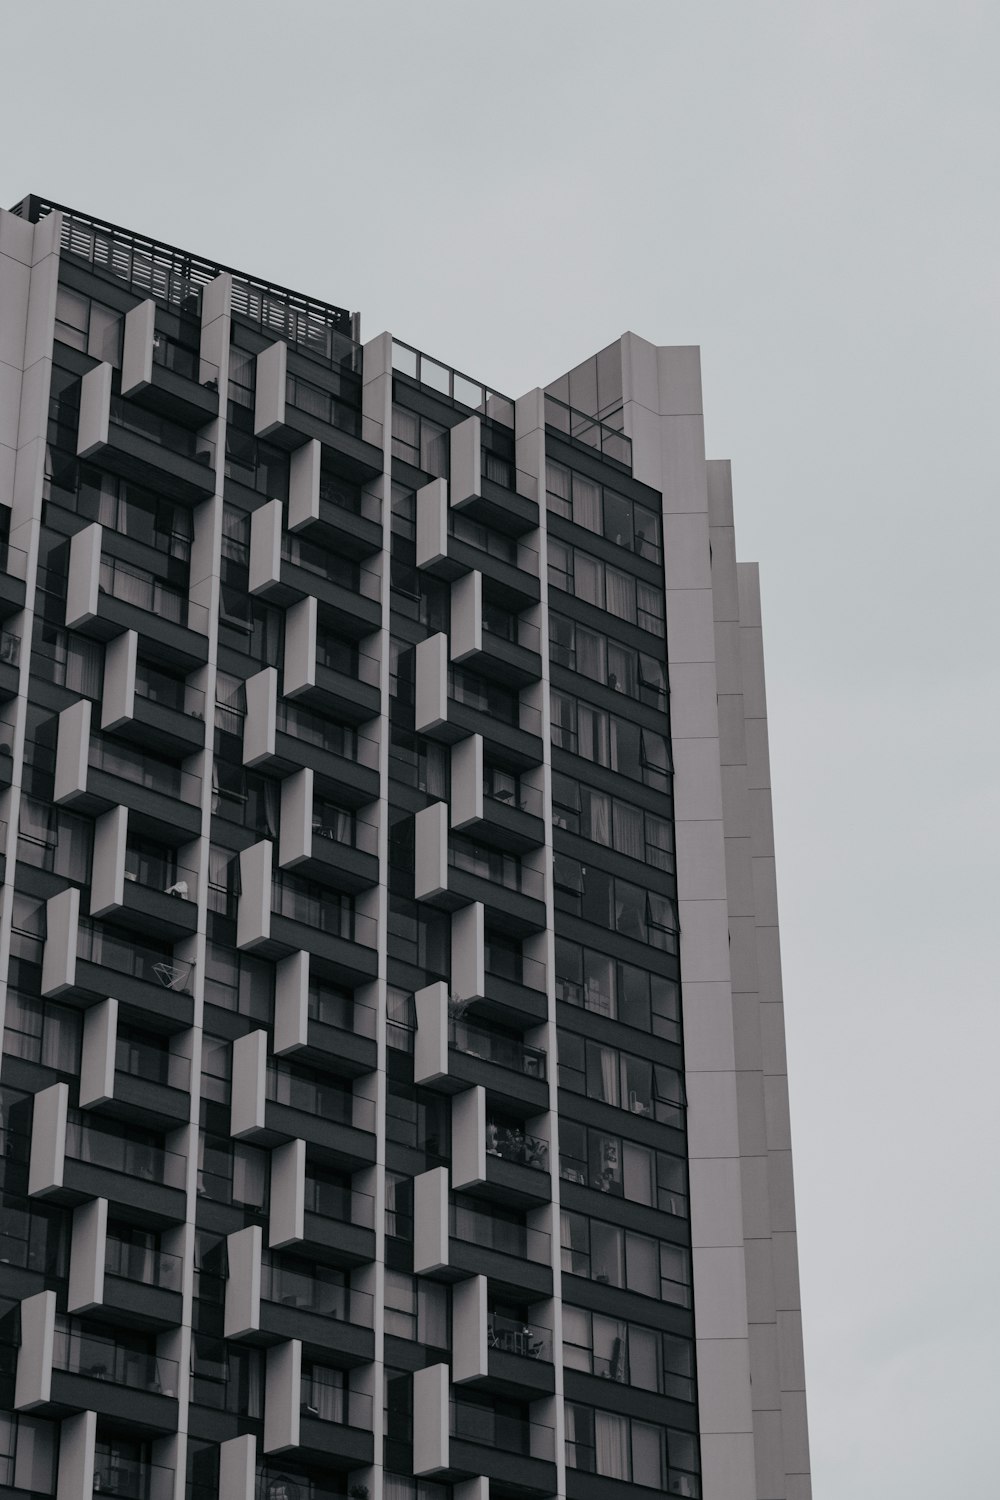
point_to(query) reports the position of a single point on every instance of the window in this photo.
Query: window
(606, 587)
(627, 523)
(607, 740)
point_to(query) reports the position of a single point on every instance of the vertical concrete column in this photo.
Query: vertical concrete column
(88, 1249)
(48, 1140)
(291, 1003)
(83, 576)
(77, 1452)
(468, 952)
(72, 751)
(300, 647)
(97, 1065)
(253, 917)
(62, 925)
(295, 841)
(272, 383)
(238, 1468)
(466, 465)
(265, 547)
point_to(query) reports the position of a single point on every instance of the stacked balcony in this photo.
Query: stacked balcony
(140, 444)
(164, 374)
(299, 404)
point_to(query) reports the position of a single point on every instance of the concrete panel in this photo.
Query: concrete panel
(769, 1451)
(768, 965)
(756, 1199)
(48, 1140)
(694, 713)
(760, 1280)
(246, 1115)
(107, 874)
(682, 465)
(88, 1249)
(62, 924)
(466, 616)
(732, 743)
(739, 872)
(33, 408)
(430, 1221)
(95, 411)
(712, 1116)
(253, 920)
(708, 1028)
(765, 890)
(303, 484)
(772, 1037)
(300, 647)
(291, 1003)
(468, 952)
(716, 1202)
(719, 476)
(431, 684)
(468, 1138)
(260, 724)
(469, 1356)
(678, 374)
(758, 754)
(430, 852)
(72, 751)
(282, 1396)
(686, 560)
(296, 823)
(272, 382)
(720, 1297)
(724, 1385)
(750, 1104)
(10, 404)
(40, 327)
(791, 1361)
(432, 523)
(764, 1366)
(118, 697)
(77, 1456)
(697, 783)
(782, 1187)
(100, 1041)
(238, 1468)
(15, 283)
(265, 547)
(701, 861)
(430, 1420)
(467, 781)
(779, 1134)
(242, 1314)
(795, 1432)
(704, 940)
(466, 461)
(137, 347)
(430, 1044)
(727, 1466)
(33, 1383)
(288, 1192)
(743, 954)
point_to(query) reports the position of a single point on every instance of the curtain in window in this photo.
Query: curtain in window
(598, 820)
(599, 982)
(643, 1271)
(249, 1185)
(606, 1253)
(622, 674)
(557, 485)
(608, 1064)
(625, 748)
(586, 503)
(621, 594)
(591, 655)
(650, 601)
(589, 582)
(628, 831)
(592, 726)
(611, 1442)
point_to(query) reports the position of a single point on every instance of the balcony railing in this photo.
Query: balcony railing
(97, 946)
(515, 967)
(467, 392)
(137, 1263)
(315, 1097)
(171, 354)
(501, 869)
(81, 1353)
(513, 1144)
(514, 793)
(278, 1484)
(302, 903)
(325, 1401)
(340, 656)
(326, 564)
(581, 428)
(337, 739)
(338, 825)
(169, 435)
(144, 770)
(132, 585)
(344, 1011)
(513, 628)
(343, 1205)
(130, 1479)
(356, 502)
(158, 687)
(478, 1227)
(503, 1051)
(314, 1293)
(88, 1143)
(161, 873)
(152, 1064)
(481, 1424)
(494, 543)
(327, 407)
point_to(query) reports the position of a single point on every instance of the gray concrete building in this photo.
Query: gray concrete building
(393, 1089)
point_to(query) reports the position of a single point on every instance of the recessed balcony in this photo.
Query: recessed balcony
(142, 1286)
(143, 445)
(162, 712)
(166, 375)
(114, 1377)
(335, 1424)
(328, 510)
(286, 567)
(292, 409)
(131, 1173)
(317, 1307)
(513, 1256)
(303, 1105)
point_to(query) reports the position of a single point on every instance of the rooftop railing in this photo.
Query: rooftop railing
(588, 431)
(461, 388)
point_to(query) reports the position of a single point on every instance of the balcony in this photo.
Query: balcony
(317, 1308)
(492, 803)
(503, 1065)
(507, 1450)
(134, 1175)
(164, 713)
(151, 1084)
(142, 1287)
(303, 1105)
(164, 799)
(321, 1023)
(517, 1166)
(146, 980)
(159, 894)
(131, 1479)
(511, 891)
(515, 993)
(291, 410)
(335, 1425)
(340, 755)
(286, 567)
(519, 1358)
(515, 1258)
(328, 510)
(323, 841)
(126, 1385)
(164, 375)
(142, 445)
(339, 1225)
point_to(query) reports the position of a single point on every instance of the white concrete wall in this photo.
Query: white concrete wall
(72, 751)
(430, 1044)
(97, 1066)
(260, 724)
(118, 695)
(253, 921)
(242, 1314)
(282, 1396)
(466, 616)
(107, 875)
(468, 1138)
(300, 647)
(88, 1248)
(430, 1221)
(137, 347)
(430, 1420)
(432, 523)
(62, 924)
(265, 547)
(466, 461)
(48, 1141)
(95, 410)
(303, 485)
(286, 1214)
(246, 1113)
(272, 374)
(467, 781)
(77, 1449)
(468, 952)
(84, 576)
(296, 834)
(291, 1003)
(33, 1382)
(469, 1353)
(430, 851)
(430, 692)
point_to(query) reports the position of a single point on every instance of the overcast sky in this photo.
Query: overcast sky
(809, 192)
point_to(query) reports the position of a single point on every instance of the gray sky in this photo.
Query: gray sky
(809, 192)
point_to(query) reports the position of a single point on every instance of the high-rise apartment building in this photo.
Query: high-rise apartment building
(393, 1084)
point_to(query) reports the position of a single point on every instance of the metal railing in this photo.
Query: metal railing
(588, 431)
(503, 1051)
(461, 388)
